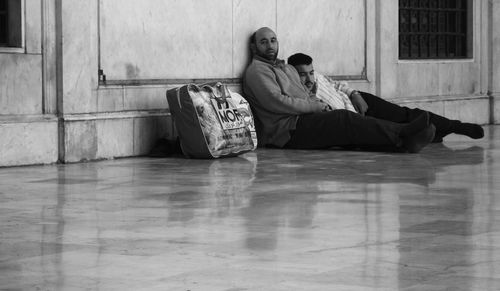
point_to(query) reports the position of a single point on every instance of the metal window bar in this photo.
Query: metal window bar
(432, 29)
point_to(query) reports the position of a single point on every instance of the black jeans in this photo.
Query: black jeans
(346, 129)
(381, 109)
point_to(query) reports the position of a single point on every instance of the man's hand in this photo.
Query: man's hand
(359, 103)
(315, 88)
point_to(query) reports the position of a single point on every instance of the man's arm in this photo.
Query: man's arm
(358, 102)
(266, 89)
(356, 99)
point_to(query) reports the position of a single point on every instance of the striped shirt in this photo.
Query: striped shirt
(334, 93)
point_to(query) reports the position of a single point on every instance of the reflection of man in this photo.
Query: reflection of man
(287, 117)
(335, 93)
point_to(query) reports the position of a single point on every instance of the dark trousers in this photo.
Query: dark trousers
(379, 108)
(346, 129)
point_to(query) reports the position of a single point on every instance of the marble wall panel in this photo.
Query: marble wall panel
(115, 137)
(20, 84)
(28, 143)
(417, 79)
(495, 109)
(101, 137)
(79, 53)
(80, 140)
(468, 110)
(160, 39)
(145, 98)
(495, 47)
(459, 78)
(247, 19)
(33, 22)
(432, 106)
(332, 32)
(110, 99)
(438, 78)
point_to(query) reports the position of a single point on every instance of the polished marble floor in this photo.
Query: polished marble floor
(267, 220)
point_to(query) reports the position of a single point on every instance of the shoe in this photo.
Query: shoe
(415, 143)
(437, 138)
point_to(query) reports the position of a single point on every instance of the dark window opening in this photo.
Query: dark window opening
(3, 23)
(10, 23)
(433, 29)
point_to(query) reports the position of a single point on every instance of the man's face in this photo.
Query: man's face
(266, 44)
(306, 73)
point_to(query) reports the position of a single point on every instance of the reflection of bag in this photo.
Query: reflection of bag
(209, 122)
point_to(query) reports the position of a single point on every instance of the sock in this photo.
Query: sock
(471, 130)
(415, 126)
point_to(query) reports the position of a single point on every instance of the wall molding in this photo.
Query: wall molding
(438, 98)
(36, 118)
(114, 115)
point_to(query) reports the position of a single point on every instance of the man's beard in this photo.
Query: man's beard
(270, 55)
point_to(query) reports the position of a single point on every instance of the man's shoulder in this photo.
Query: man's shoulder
(256, 67)
(256, 63)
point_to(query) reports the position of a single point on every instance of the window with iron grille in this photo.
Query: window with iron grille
(434, 29)
(11, 23)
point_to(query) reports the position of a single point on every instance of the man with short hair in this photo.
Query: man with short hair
(288, 117)
(337, 94)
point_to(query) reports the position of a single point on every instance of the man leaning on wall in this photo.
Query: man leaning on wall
(288, 117)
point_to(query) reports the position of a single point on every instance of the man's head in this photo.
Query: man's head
(303, 65)
(264, 43)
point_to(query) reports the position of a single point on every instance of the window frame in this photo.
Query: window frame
(466, 31)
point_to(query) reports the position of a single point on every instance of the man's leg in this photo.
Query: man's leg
(345, 128)
(380, 108)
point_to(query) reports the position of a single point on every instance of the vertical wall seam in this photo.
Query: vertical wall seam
(490, 63)
(378, 51)
(232, 40)
(276, 16)
(98, 36)
(364, 72)
(43, 33)
(59, 82)
(23, 28)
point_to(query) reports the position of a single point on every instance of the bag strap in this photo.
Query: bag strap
(218, 90)
(178, 93)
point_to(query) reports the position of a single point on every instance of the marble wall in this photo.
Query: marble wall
(203, 39)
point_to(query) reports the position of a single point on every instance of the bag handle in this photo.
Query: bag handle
(218, 90)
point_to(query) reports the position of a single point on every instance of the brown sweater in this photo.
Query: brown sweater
(277, 99)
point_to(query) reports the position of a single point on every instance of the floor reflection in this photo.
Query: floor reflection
(266, 220)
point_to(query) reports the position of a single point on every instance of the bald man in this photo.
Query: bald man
(288, 117)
